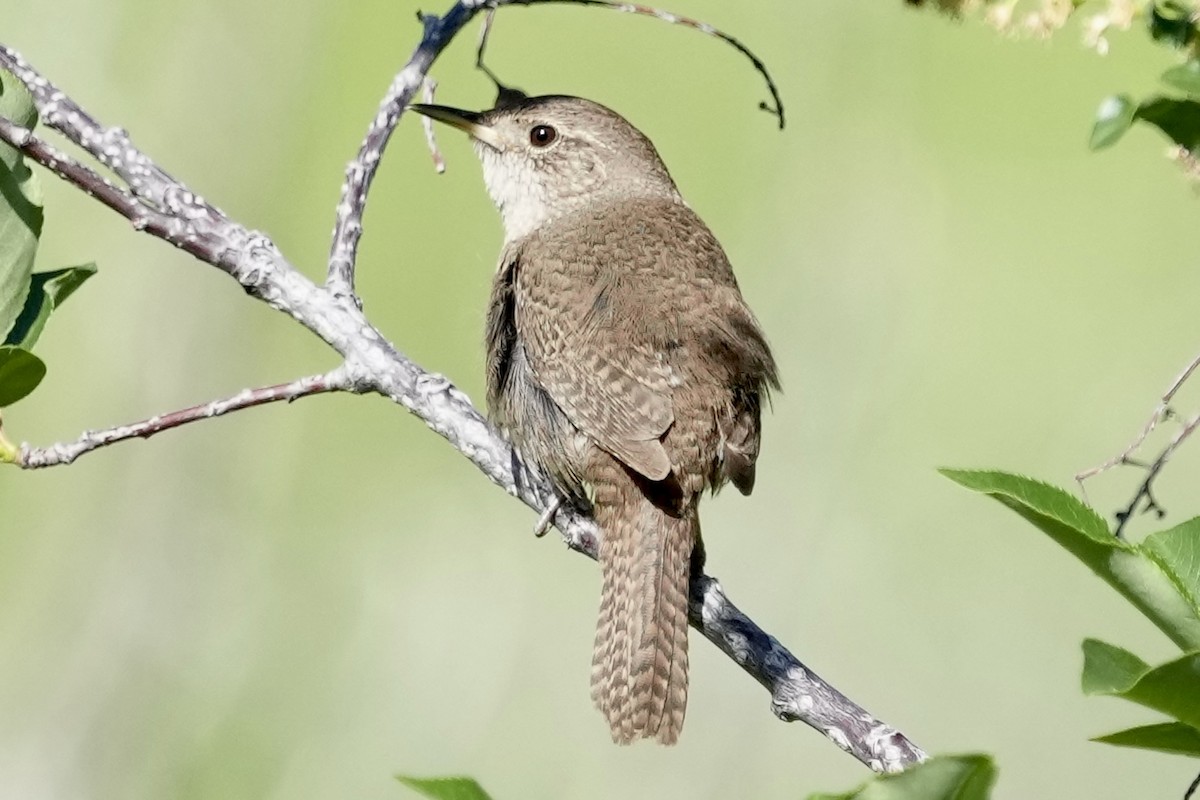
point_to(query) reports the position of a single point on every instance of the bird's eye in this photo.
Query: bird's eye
(542, 135)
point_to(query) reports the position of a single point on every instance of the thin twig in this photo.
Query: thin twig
(427, 93)
(67, 452)
(1144, 496)
(373, 364)
(1191, 790)
(505, 94)
(1145, 490)
(485, 32)
(1161, 413)
(775, 108)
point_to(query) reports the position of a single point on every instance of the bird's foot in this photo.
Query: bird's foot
(543, 522)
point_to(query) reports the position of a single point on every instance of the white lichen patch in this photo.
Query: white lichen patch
(838, 737)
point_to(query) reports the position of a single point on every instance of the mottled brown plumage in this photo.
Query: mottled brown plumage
(623, 361)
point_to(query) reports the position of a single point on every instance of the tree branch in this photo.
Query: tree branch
(159, 205)
(360, 172)
(66, 452)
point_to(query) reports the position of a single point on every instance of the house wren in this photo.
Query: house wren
(621, 359)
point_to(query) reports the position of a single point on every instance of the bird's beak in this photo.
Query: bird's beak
(468, 121)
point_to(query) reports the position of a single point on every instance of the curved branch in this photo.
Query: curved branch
(438, 31)
(373, 364)
(360, 172)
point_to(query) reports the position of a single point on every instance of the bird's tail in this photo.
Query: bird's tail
(640, 662)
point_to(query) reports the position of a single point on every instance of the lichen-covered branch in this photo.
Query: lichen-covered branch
(158, 204)
(360, 172)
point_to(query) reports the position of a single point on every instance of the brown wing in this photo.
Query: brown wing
(741, 442)
(752, 376)
(613, 387)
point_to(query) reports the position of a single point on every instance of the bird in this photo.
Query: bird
(623, 362)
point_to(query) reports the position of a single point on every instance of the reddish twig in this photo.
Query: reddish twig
(67, 452)
(140, 214)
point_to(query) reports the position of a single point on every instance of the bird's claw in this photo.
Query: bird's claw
(543, 522)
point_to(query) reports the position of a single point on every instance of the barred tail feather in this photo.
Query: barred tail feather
(640, 662)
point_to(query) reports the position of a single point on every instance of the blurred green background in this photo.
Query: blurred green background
(298, 602)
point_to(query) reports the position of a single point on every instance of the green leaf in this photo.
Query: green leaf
(1178, 119)
(965, 777)
(1113, 119)
(1156, 577)
(1108, 668)
(47, 291)
(1172, 688)
(20, 373)
(1166, 737)
(445, 788)
(20, 206)
(1177, 551)
(1184, 77)
(1171, 21)
(1048, 504)
(16, 103)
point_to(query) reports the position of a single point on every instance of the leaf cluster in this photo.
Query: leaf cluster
(1173, 23)
(27, 298)
(1160, 576)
